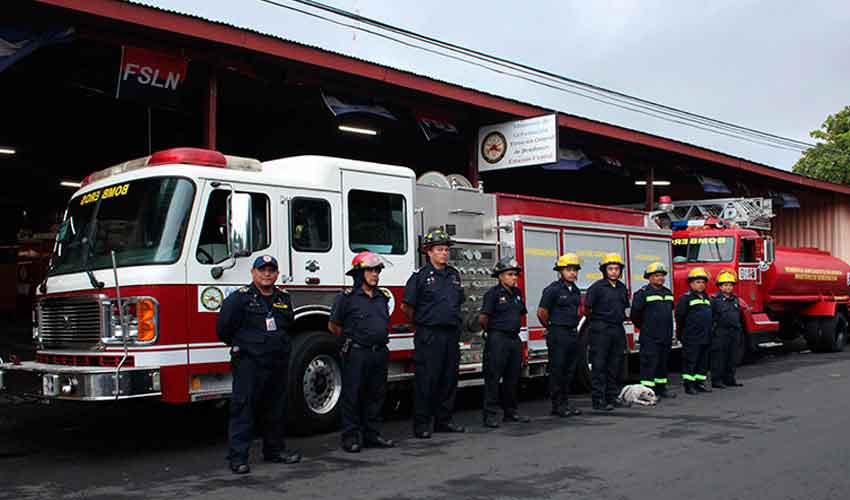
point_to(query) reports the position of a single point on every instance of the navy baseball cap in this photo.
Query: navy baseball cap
(265, 260)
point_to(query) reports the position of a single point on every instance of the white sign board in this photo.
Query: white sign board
(520, 143)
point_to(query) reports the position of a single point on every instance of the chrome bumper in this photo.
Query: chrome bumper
(77, 383)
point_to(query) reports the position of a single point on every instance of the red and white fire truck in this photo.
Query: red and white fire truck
(149, 249)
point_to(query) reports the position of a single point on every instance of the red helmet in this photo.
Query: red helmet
(365, 260)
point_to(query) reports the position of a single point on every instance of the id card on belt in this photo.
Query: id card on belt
(271, 326)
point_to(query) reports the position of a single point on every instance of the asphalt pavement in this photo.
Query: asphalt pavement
(784, 435)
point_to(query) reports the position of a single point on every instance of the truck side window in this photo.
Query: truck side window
(747, 251)
(377, 222)
(212, 246)
(311, 225)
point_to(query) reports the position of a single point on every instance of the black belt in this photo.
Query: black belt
(505, 332)
(373, 347)
(570, 328)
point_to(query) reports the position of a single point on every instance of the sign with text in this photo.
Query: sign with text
(520, 143)
(151, 77)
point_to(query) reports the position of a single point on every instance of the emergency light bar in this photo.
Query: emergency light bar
(179, 156)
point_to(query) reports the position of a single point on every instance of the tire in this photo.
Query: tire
(833, 334)
(315, 384)
(812, 333)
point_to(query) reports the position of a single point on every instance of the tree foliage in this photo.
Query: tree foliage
(829, 159)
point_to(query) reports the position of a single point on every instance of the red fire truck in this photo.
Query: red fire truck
(785, 292)
(150, 248)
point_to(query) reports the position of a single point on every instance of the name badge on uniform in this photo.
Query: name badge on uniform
(271, 326)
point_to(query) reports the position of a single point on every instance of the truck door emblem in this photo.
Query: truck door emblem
(312, 266)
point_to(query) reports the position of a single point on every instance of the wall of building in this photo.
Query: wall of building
(822, 221)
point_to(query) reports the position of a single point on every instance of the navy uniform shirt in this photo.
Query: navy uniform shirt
(436, 295)
(242, 321)
(504, 308)
(726, 313)
(607, 302)
(694, 318)
(364, 319)
(652, 312)
(562, 300)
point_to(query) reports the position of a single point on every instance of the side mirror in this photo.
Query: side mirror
(769, 250)
(239, 221)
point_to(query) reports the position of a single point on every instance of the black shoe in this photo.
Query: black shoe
(491, 422)
(450, 427)
(422, 435)
(239, 468)
(689, 389)
(665, 393)
(563, 413)
(287, 457)
(351, 447)
(734, 383)
(702, 388)
(717, 385)
(516, 417)
(380, 442)
(599, 406)
(618, 404)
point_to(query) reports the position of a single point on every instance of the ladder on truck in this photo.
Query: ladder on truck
(751, 213)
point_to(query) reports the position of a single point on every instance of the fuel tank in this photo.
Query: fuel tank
(803, 274)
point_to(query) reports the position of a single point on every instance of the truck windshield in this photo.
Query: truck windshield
(143, 220)
(703, 249)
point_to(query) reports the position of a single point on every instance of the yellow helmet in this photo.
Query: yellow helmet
(611, 258)
(726, 276)
(655, 267)
(567, 260)
(698, 273)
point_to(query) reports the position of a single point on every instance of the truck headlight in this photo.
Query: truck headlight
(141, 315)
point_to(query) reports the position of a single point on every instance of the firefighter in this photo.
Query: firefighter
(502, 309)
(652, 312)
(432, 300)
(726, 313)
(254, 322)
(361, 316)
(559, 314)
(606, 303)
(694, 322)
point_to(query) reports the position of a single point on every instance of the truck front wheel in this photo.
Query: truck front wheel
(315, 383)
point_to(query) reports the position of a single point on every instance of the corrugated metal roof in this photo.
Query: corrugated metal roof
(90, 7)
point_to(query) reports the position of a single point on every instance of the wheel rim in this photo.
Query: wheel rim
(840, 336)
(322, 384)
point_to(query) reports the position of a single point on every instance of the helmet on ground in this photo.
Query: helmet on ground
(567, 260)
(365, 260)
(655, 267)
(434, 238)
(506, 264)
(697, 273)
(611, 258)
(726, 276)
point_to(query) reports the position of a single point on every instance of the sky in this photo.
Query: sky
(777, 66)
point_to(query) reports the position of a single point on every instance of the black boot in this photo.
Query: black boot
(662, 392)
(689, 388)
(700, 386)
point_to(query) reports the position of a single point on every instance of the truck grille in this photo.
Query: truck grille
(70, 322)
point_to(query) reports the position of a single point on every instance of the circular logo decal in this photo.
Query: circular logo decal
(211, 298)
(493, 147)
(390, 301)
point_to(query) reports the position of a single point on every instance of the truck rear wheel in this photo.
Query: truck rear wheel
(833, 334)
(315, 383)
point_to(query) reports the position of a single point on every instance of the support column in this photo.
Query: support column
(650, 189)
(210, 107)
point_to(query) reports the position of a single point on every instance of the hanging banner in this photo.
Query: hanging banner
(18, 41)
(151, 77)
(434, 128)
(339, 107)
(519, 143)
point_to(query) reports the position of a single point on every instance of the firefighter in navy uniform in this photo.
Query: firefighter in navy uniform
(652, 312)
(694, 323)
(726, 313)
(254, 322)
(360, 315)
(501, 314)
(432, 300)
(559, 314)
(606, 303)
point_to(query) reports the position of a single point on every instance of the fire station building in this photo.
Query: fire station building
(90, 84)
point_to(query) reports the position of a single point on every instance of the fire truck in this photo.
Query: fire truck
(784, 292)
(149, 249)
